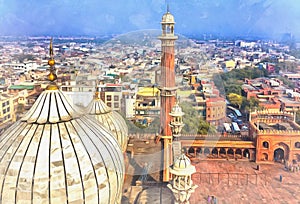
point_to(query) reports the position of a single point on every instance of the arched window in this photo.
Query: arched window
(265, 144)
(206, 151)
(297, 144)
(265, 157)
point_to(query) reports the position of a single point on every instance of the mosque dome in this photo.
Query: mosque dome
(112, 120)
(56, 154)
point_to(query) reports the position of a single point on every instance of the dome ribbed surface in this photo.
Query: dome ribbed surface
(182, 166)
(56, 155)
(112, 120)
(182, 162)
(52, 107)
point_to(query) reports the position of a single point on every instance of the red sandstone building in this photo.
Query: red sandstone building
(277, 136)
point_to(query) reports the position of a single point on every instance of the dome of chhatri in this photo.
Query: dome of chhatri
(176, 110)
(55, 154)
(182, 162)
(168, 18)
(182, 166)
(112, 120)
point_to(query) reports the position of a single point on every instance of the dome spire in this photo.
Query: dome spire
(96, 94)
(52, 75)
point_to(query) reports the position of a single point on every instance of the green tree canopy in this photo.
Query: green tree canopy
(250, 104)
(235, 99)
(194, 124)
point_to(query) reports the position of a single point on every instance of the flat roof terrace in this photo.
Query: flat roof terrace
(276, 126)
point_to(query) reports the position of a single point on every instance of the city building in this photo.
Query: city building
(147, 102)
(7, 113)
(208, 102)
(111, 95)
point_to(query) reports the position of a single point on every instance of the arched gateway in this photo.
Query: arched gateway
(281, 152)
(278, 155)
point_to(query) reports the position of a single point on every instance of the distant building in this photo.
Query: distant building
(80, 95)
(21, 67)
(147, 101)
(6, 109)
(111, 94)
(209, 104)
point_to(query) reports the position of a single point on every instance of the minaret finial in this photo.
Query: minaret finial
(96, 96)
(51, 49)
(52, 75)
(168, 9)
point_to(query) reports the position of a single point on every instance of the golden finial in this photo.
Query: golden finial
(96, 96)
(52, 75)
(51, 61)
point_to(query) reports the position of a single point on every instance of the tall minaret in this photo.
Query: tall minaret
(167, 87)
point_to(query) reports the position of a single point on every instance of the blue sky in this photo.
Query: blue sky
(96, 17)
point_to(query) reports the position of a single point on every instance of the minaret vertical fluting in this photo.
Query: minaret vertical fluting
(167, 87)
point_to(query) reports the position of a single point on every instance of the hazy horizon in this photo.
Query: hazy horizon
(228, 18)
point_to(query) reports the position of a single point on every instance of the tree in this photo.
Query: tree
(233, 88)
(190, 118)
(235, 99)
(249, 105)
(205, 128)
(193, 123)
(253, 103)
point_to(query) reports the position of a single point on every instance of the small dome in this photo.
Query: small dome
(176, 110)
(112, 120)
(182, 162)
(182, 166)
(168, 18)
(56, 154)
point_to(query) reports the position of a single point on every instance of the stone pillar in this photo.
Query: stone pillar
(242, 153)
(226, 149)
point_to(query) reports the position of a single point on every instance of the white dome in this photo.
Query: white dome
(168, 18)
(182, 166)
(112, 120)
(182, 162)
(176, 111)
(55, 154)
